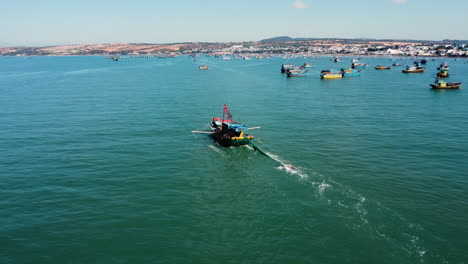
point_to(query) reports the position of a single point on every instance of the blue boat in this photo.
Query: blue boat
(358, 66)
(349, 72)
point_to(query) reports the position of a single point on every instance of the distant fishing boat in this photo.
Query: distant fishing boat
(380, 67)
(424, 61)
(114, 58)
(444, 66)
(439, 84)
(336, 59)
(296, 73)
(443, 73)
(358, 65)
(414, 69)
(307, 65)
(203, 67)
(396, 64)
(350, 72)
(226, 58)
(285, 67)
(328, 74)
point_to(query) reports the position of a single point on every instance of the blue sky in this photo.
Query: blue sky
(49, 22)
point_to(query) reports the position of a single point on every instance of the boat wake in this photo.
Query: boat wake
(359, 212)
(287, 166)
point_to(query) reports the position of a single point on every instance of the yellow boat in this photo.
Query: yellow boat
(326, 74)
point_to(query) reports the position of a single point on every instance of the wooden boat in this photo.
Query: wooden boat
(444, 85)
(327, 74)
(380, 67)
(349, 72)
(444, 66)
(443, 73)
(203, 67)
(285, 67)
(358, 65)
(296, 73)
(227, 132)
(414, 69)
(307, 65)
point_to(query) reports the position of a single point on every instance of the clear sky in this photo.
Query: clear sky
(49, 22)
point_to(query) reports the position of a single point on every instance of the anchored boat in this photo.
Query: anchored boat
(414, 69)
(203, 67)
(285, 67)
(349, 72)
(296, 73)
(443, 73)
(444, 66)
(355, 65)
(327, 74)
(445, 85)
(380, 67)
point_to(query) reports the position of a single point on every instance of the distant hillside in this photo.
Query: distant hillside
(287, 38)
(278, 39)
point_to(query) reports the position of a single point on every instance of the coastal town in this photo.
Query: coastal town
(267, 47)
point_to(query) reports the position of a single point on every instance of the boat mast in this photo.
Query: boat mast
(226, 115)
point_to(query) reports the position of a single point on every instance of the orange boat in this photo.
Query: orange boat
(380, 67)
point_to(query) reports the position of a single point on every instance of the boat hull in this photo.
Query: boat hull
(442, 75)
(231, 142)
(336, 76)
(351, 74)
(292, 74)
(455, 86)
(412, 71)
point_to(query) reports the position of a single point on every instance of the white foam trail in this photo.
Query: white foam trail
(289, 168)
(215, 148)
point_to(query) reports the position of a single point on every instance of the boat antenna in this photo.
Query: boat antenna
(226, 115)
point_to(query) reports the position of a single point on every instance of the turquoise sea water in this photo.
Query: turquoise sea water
(98, 163)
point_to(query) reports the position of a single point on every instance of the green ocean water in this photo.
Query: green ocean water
(98, 163)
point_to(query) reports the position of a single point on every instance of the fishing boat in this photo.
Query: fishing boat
(396, 64)
(358, 65)
(203, 67)
(306, 65)
(444, 66)
(227, 132)
(296, 73)
(336, 59)
(380, 67)
(285, 67)
(414, 69)
(439, 84)
(350, 72)
(443, 73)
(424, 61)
(327, 74)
